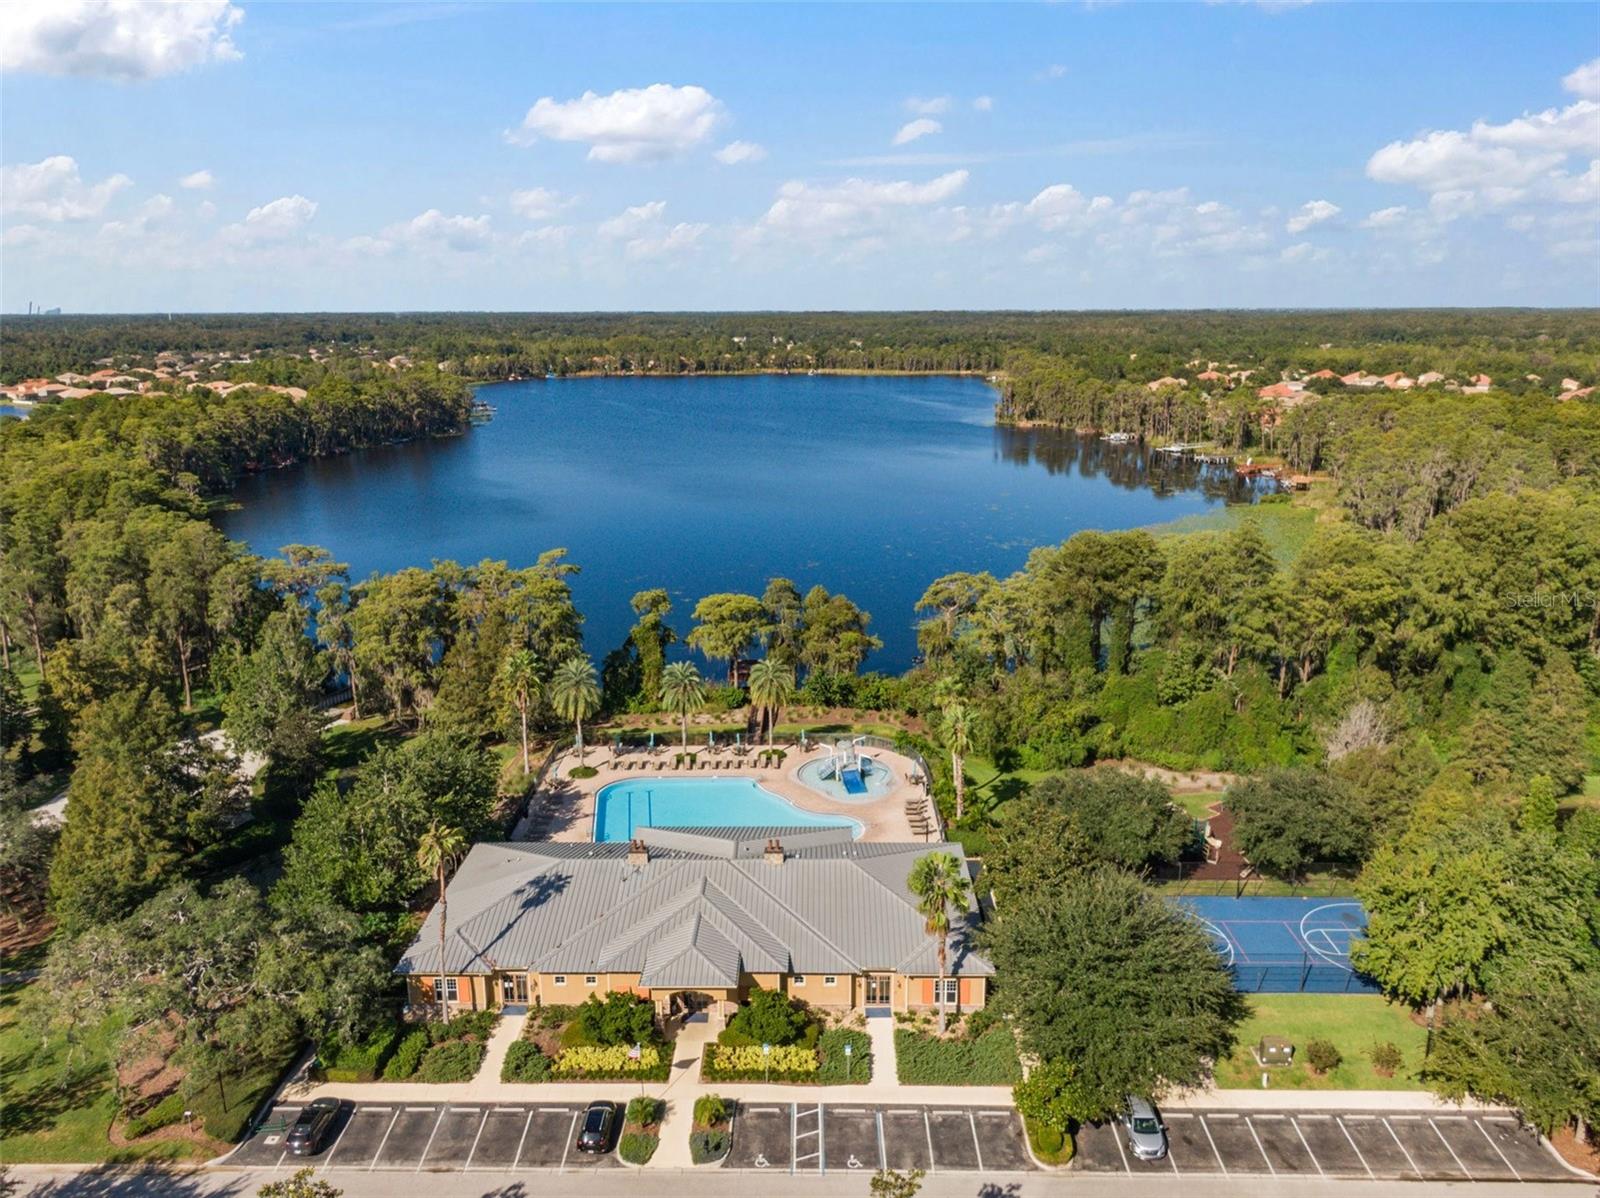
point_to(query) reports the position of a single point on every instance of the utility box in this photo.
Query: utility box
(1274, 1050)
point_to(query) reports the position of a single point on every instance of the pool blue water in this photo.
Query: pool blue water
(870, 486)
(697, 803)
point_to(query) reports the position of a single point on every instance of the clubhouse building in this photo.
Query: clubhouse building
(693, 918)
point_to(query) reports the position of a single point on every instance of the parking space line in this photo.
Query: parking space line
(567, 1147)
(1452, 1151)
(1402, 1148)
(927, 1128)
(482, 1123)
(327, 1161)
(822, 1148)
(431, 1134)
(1497, 1151)
(883, 1157)
(1213, 1144)
(1356, 1149)
(976, 1147)
(1116, 1134)
(1320, 1170)
(528, 1122)
(378, 1154)
(1259, 1148)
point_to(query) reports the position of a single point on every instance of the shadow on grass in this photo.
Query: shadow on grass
(144, 1181)
(38, 1107)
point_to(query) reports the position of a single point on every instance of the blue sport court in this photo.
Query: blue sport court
(1285, 945)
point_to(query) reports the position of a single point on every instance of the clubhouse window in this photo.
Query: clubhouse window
(561, 979)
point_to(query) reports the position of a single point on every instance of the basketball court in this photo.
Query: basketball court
(1285, 945)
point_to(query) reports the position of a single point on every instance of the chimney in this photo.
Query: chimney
(638, 853)
(773, 853)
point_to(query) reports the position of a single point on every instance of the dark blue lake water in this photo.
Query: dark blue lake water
(870, 486)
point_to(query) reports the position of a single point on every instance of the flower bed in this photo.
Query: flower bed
(641, 1131)
(708, 1141)
(825, 1065)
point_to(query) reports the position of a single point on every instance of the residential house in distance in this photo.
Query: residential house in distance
(691, 918)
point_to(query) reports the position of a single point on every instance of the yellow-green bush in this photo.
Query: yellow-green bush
(748, 1058)
(591, 1060)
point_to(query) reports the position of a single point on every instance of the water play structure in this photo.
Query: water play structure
(850, 766)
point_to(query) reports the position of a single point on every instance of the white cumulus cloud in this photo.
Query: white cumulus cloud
(1313, 212)
(640, 124)
(737, 152)
(630, 221)
(539, 203)
(927, 105)
(433, 228)
(854, 206)
(984, 103)
(1585, 81)
(921, 127)
(124, 40)
(197, 181)
(52, 190)
(1386, 218)
(274, 221)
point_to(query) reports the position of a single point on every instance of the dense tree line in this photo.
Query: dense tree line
(1106, 345)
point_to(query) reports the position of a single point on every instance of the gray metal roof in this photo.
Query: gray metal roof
(688, 918)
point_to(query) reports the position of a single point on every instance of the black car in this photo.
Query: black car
(310, 1130)
(598, 1123)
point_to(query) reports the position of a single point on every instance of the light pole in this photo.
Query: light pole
(766, 1062)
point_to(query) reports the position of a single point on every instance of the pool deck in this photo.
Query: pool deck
(563, 809)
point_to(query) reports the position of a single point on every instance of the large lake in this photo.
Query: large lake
(873, 486)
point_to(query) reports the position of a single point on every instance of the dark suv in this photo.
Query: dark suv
(598, 1123)
(311, 1127)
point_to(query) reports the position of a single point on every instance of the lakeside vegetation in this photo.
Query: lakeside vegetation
(1405, 663)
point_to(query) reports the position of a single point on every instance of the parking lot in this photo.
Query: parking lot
(1424, 1145)
(838, 1138)
(433, 1137)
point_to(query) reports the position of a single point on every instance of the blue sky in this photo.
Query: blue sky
(228, 156)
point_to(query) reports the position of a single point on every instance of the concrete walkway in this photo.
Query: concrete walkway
(682, 1089)
(506, 1033)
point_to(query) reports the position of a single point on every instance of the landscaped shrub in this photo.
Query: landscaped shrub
(164, 1114)
(594, 1061)
(986, 1060)
(620, 1018)
(786, 1062)
(358, 1062)
(1323, 1056)
(636, 1147)
(1050, 1143)
(452, 1061)
(1048, 1138)
(835, 1068)
(407, 1056)
(770, 1017)
(707, 1146)
(582, 772)
(552, 1015)
(525, 1063)
(710, 1110)
(476, 1024)
(1386, 1058)
(643, 1111)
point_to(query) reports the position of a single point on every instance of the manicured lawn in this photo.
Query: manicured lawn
(1353, 1022)
(1197, 805)
(59, 1103)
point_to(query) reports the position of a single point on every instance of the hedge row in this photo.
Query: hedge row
(826, 1065)
(986, 1060)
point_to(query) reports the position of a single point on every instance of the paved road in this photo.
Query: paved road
(1387, 1146)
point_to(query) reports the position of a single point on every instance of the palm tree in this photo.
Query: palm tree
(941, 887)
(956, 728)
(574, 692)
(519, 674)
(437, 851)
(771, 687)
(683, 692)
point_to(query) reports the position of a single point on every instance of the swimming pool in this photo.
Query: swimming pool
(698, 803)
(822, 776)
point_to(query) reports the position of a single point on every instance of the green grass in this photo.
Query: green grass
(1197, 805)
(59, 1103)
(1353, 1022)
(1286, 526)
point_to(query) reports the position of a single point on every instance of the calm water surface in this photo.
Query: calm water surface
(870, 486)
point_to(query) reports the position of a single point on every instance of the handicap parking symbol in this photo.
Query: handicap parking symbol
(761, 1161)
(854, 1162)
